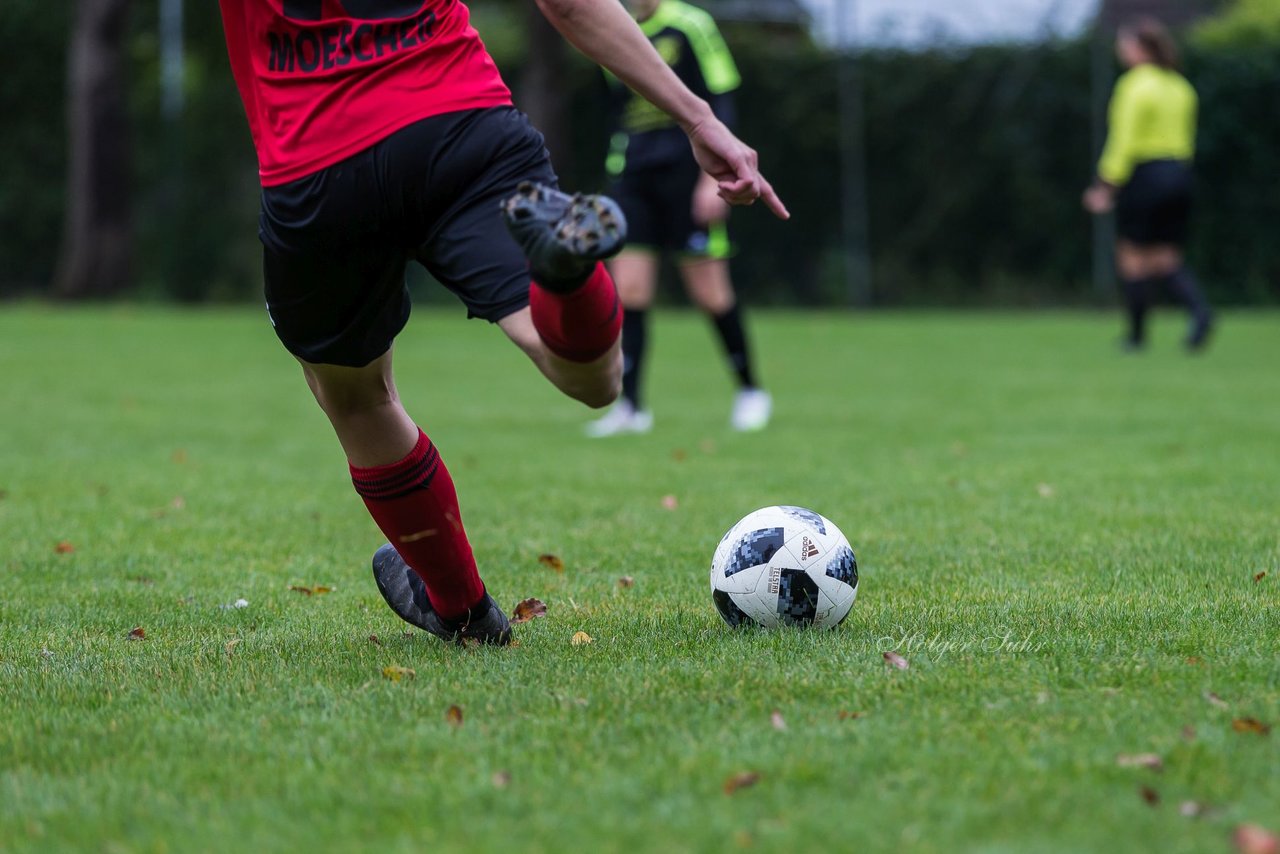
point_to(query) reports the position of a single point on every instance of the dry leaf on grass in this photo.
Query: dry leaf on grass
(1045, 490)
(180, 456)
(64, 548)
(1189, 732)
(849, 716)
(373, 639)
(896, 660)
(501, 779)
(1215, 701)
(741, 780)
(231, 645)
(1259, 576)
(1150, 795)
(1192, 809)
(551, 562)
(670, 502)
(581, 639)
(1256, 839)
(777, 721)
(527, 610)
(1252, 725)
(1194, 661)
(1140, 760)
(454, 715)
(296, 588)
(626, 582)
(679, 455)
(395, 673)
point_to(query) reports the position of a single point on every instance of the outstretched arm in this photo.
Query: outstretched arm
(605, 33)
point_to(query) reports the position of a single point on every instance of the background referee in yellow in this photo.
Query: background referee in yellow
(1145, 174)
(673, 207)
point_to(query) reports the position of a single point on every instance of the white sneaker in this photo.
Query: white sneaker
(751, 410)
(622, 418)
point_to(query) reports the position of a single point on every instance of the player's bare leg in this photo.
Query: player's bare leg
(408, 491)
(594, 383)
(709, 287)
(572, 326)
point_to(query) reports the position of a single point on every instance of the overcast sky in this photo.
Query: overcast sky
(921, 21)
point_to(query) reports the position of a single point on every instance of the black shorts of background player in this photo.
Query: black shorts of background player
(672, 209)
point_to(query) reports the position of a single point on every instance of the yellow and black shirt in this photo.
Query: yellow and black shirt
(688, 39)
(1152, 117)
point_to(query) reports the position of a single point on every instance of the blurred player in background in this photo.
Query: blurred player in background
(384, 135)
(672, 207)
(1145, 175)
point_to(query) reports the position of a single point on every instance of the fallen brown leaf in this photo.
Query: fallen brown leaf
(849, 716)
(373, 639)
(1194, 661)
(1192, 809)
(1140, 760)
(137, 633)
(679, 455)
(231, 645)
(1215, 700)
(626, 582)
(1256, 839)
(1189, 732)
(1259, 576)
(64, 548)
(892, 658)
(1045, 490)
(321, 590)
(551, 562)
(180, 456)
(395, 673)
(501, 779)
(777, 721)
(454, 715)
(297, 588)
(178, 502)
(1150, 795)
(1252, 725)
(670, 502)
(4, 493)
(741, 780)
(527, 610)
(581, 639)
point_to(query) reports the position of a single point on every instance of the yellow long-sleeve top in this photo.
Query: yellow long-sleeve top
(1152, 117)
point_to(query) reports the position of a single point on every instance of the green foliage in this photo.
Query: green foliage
(1245, 23)
(1000, 476)
(33, 149)
(975, 158)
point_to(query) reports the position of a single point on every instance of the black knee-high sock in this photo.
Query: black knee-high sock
(1137, 302)
(733, 337)
(1182, 284)
(635, 334)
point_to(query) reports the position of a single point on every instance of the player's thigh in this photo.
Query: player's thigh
(708, 284)
(635, 273)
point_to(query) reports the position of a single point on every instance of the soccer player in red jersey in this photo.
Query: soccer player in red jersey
(385, 134)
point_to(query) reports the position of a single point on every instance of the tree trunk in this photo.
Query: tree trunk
(97, 241)
(544, 84)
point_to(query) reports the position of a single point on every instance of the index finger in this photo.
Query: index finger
(771, 199)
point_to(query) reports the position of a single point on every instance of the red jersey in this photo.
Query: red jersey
(324, 79)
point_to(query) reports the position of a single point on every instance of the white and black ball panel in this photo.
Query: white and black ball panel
(783, 565)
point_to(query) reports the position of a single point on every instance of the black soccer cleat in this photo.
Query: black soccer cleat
(407, 596)
(563, 236)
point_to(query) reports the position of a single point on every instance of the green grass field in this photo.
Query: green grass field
(1063, 541)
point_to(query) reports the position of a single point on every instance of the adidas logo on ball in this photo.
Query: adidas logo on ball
(808, 549)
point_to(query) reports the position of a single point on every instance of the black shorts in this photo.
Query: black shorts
(338, 242)
(1155, 206)
(658, 203)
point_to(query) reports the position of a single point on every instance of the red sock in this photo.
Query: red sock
(581, 325)
(414, 503)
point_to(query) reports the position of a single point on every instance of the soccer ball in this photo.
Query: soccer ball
(784, 566)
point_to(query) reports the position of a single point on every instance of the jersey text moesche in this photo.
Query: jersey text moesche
(324, 79)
